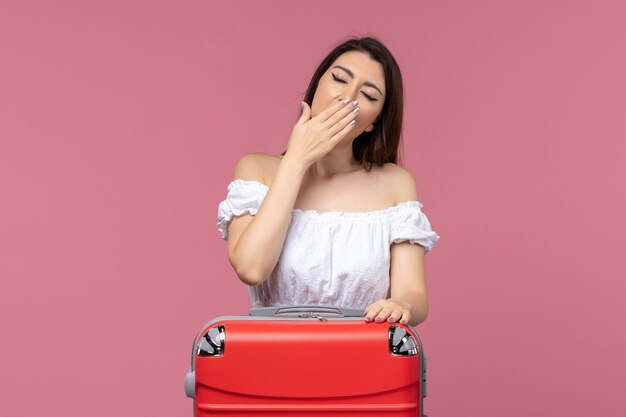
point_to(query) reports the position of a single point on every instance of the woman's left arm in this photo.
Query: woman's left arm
(408, 301)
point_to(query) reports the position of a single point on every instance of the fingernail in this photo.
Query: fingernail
(377, 318)
(302, 105)
(367, 319)
(346, 101)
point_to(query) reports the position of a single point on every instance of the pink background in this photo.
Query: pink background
(120, 125)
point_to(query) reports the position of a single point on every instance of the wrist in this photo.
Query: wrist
(293, 166)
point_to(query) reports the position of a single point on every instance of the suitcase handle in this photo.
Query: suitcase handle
(306, 311)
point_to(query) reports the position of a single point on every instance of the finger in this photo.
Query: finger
(372, 312)
(374, 305)
(306, 113)
(382, 316)
(394, 316)
(334, 108)
(334, 122)
(405, 317)
(367, 313)
(345, 126)
(341, 118)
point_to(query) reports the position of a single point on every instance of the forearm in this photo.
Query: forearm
(259, 246)
(418, 306)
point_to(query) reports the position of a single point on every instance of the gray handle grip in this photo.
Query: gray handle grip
(306, 311)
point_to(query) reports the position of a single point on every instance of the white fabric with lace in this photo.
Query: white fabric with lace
(329, 258)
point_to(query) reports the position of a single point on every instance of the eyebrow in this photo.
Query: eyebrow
(351, 74)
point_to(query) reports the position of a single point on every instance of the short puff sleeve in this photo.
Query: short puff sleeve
(244, 196)
(410, 223)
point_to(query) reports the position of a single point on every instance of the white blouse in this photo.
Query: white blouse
(329, 258)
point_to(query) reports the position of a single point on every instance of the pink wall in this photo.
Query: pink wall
(121, 122)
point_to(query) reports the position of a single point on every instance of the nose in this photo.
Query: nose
(350, 92)
(350, 96)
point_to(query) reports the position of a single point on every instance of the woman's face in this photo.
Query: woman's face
(356, 76)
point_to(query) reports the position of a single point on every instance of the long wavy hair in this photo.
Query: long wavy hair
(382, 144)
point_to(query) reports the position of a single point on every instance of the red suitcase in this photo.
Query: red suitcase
(306, 361)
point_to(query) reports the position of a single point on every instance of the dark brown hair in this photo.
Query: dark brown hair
(381, 145)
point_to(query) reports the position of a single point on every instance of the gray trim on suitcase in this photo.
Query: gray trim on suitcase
(304, 312)
(284, 311)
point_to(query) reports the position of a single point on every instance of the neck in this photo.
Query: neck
(337, 161)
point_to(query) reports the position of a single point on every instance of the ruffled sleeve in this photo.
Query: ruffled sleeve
(244, 196)
(410, 223)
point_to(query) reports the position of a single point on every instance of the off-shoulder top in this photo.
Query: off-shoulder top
(329, 258)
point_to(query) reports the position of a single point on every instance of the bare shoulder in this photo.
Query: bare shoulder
(401, 181)
(256, 166)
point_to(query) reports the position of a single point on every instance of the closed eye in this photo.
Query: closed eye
(342, 81)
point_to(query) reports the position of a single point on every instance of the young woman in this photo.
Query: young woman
(334, 220)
